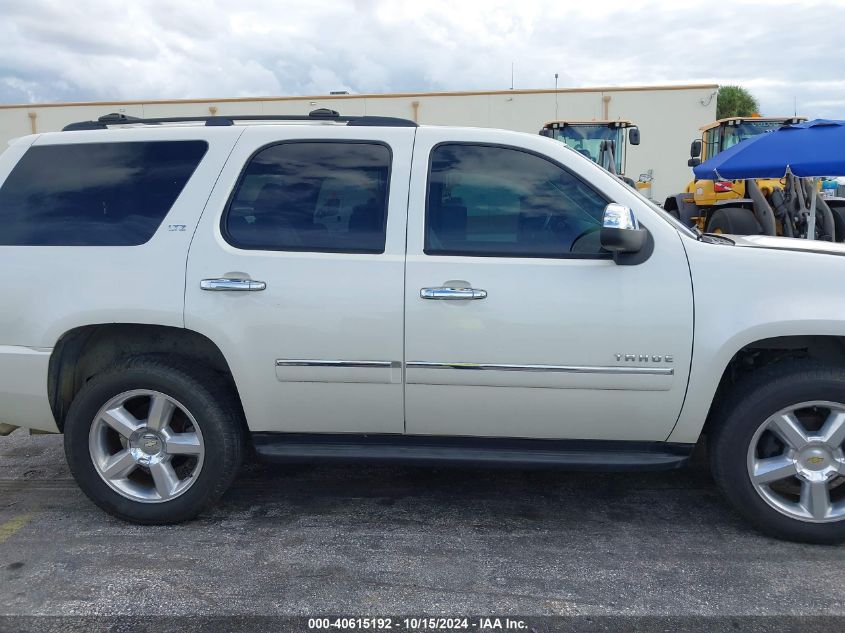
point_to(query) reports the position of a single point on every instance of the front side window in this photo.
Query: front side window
(711, 142)
(94, 194)
(312, 196)
(496, 201)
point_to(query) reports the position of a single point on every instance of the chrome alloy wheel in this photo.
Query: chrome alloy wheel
(796, 461)
(146, 446)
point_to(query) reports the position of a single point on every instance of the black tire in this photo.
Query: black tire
(734, 221)
(208, 397)
(670, 206)
(751, 402)
(838, 213)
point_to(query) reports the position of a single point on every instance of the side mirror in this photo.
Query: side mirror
(694, 162)
(634, 135)
(695, 148)
(620, 231)
(546, 132)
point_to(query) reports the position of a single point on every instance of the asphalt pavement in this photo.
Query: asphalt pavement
(359, 540)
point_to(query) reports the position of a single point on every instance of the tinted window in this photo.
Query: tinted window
(312, 196)
(485, 200)
(94, 194)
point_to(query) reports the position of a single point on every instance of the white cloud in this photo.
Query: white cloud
(96, 49)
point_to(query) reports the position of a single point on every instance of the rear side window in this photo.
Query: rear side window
(312, 196)
(94, 194)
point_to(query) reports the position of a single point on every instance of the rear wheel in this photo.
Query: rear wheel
(777, 451)
(153, 440)
(734, 221)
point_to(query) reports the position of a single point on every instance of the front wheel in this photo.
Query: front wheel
(777, 451)
(154, 441)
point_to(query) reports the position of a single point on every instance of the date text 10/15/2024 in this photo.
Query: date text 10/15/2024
(418, 623)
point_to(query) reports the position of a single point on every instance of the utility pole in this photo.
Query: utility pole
(556, 117)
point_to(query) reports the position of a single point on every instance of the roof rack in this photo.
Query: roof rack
(321, 114)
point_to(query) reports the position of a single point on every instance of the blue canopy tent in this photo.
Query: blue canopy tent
(813, 149)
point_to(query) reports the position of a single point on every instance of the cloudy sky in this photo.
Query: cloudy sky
(83, 50)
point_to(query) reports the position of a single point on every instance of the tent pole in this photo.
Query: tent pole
(811, 220)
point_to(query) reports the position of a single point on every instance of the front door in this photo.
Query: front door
(296, 273)
(517, 325)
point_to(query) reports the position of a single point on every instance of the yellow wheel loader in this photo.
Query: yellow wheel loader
(603, 142)
(761, 206)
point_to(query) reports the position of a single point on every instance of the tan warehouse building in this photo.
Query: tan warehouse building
(668, 116)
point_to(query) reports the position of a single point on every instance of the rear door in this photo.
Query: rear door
(297, 273)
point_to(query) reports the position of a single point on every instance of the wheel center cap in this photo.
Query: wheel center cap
(147, 447)
(150, 444)
(814, 459)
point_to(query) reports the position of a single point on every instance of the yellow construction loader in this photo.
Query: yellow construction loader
(603, 142)
(752, 206)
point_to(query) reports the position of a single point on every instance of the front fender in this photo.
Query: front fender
(746, 295)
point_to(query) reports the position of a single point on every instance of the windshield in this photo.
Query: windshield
(586, 139)
(733, 134)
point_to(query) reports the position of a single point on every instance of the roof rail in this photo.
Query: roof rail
(321, 114)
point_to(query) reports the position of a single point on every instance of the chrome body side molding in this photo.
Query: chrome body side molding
(567, 369)
(476, 374)
(583, 377)
(336, 363)
(356, 371)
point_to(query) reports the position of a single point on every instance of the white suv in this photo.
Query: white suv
(362, 288)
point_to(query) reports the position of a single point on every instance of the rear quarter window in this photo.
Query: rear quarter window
(94, 194)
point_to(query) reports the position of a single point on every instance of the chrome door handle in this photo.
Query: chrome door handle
(224, 284)
(444, 293)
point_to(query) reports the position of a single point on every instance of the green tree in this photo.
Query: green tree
(735, 101)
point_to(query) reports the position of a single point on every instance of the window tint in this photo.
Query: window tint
(94, 194)
(486, 200)
(312, 196)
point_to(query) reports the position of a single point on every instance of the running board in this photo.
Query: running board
(487, 452)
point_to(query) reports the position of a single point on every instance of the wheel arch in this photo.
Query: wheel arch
(766, 351)
(82, 352)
